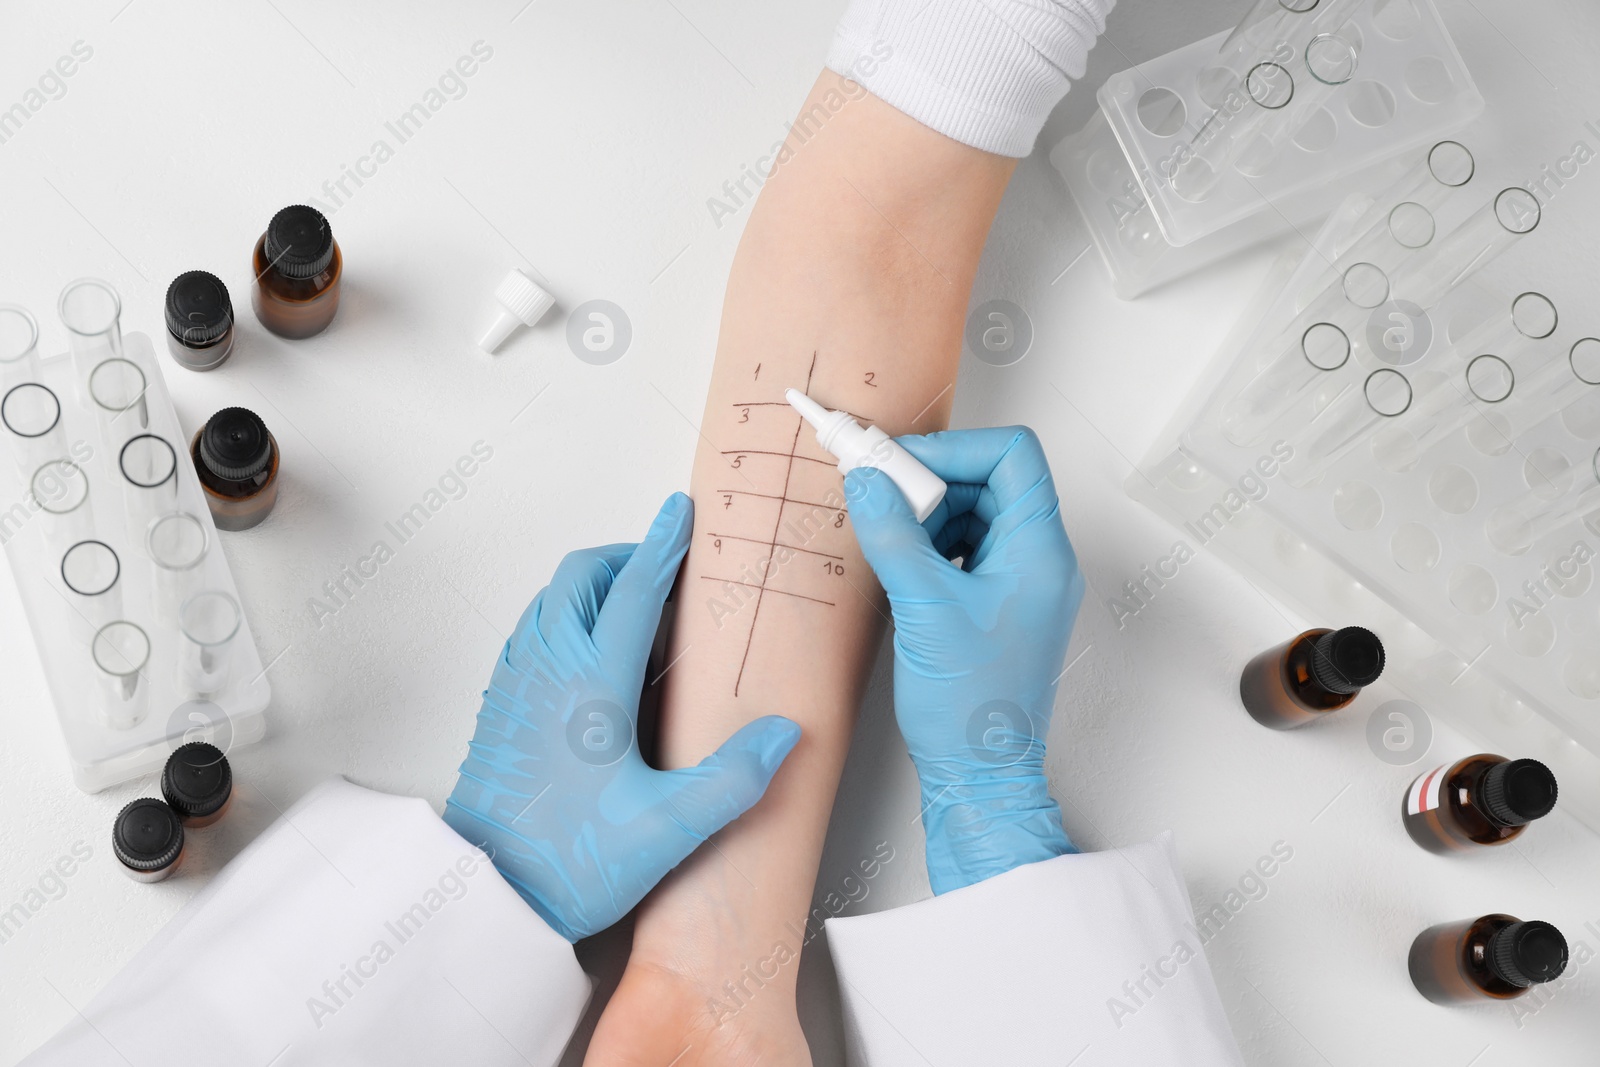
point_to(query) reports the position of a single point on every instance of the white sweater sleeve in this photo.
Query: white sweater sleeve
(985, 72)
(1096, 951)
(358, 928)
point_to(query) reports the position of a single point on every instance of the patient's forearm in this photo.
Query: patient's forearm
(851, 283)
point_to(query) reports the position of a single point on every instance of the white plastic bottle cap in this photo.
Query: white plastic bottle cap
(522, 303)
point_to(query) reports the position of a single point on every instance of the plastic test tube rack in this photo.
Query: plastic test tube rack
(1305, 99)
(1464, 525)
(133, 610)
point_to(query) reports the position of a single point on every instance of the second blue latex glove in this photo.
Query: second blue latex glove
(554, 787)
(978, 647)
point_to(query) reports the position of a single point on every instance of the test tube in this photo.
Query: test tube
(1262, 26)
(177, 544)
(60, 488)
(207, 622)
(1561, 497)
(91, 571)
(1406, 228)
(1426, 277)
(1557, 381)
(121, 651)
(1279, 95)
(149, 466)
(19, 347)
(91, 311)
(1488, 379)
(1328, 61)
(1352, 416)
(1276, 29)
(117, 388)
(1448, 166)
(1313, 345)
(31, 415)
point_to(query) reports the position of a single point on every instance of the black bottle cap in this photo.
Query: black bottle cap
(197, 780)
(1529, 953)
(198, 308)
(147, 835)
(234, 444)
(299, 242)
(1347, 660)
(1518, 791)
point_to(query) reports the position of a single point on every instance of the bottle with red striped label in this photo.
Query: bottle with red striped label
(1481, 800)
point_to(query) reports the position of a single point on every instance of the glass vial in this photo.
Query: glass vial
(147, 840)
(1319, 671)
(297, 267)
(197, 784)
(1495, 957)
(237, 461)
(1481, 800)
(199, 320)
(207, 624)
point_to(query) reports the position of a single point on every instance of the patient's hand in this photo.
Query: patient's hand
(659, 1017)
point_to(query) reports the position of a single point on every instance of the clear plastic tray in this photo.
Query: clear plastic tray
(1124, 230)
(113, 729)
(1465, 531)
(1409, 87)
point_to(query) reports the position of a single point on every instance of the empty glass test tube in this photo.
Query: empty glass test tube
(1351, 418)
(117, 390)
(60, 488)
(207, 624)
(19, 347)
(91, 571)
(149, 468)
(1559, 497)
(1271, 30)
(121, 651)
(1316, 343)
(1279, 94)
(91, 311)
(1448, 166)
(1557, 383)
(31, 415)
(1328, 61)
(1485, 378)
(1426, 277)
(177, 544)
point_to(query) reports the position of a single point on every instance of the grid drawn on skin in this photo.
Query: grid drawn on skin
(771, 543)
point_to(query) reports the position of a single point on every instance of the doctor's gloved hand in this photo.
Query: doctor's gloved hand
(979, 647)
(554, 787)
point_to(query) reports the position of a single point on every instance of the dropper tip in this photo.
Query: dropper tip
(814, 412)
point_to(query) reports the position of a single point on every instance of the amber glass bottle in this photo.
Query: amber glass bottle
(236, 459)
(1481, 800)
(147, 840)
(1495, 957)
(297, 266)
(1320, 671)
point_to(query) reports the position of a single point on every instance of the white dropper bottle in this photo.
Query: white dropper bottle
(854, 445)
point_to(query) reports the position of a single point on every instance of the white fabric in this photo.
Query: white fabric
(1023, 970)
(985, 72)
(468, 973)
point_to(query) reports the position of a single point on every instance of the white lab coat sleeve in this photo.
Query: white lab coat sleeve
(357, 929)
(1095, 951)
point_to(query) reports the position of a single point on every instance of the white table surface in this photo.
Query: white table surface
(585, 149)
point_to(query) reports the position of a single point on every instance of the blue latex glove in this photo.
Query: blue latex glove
(979, 647)
(554, 788)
